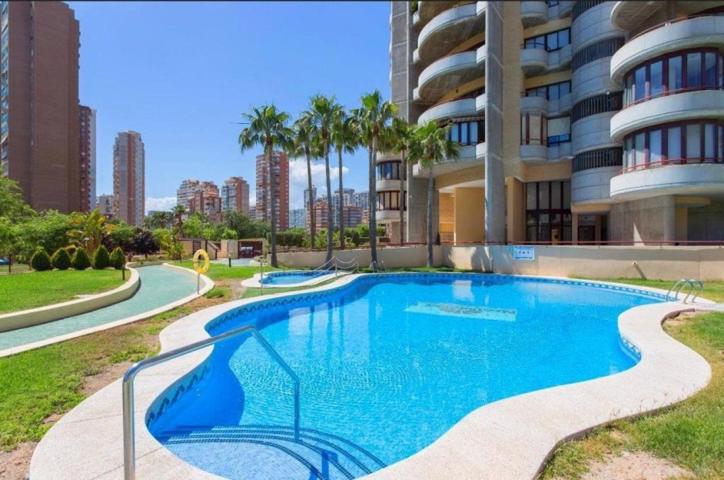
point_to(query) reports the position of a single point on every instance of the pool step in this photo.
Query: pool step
(324, 456)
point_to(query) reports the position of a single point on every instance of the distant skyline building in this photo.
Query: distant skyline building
(39, 111)
(207, 201)
(87, 157)
(252, 212)
(235, 196)
(297, 218)
(186, 191)
(104, 203)
(129, 177)
(280, 178)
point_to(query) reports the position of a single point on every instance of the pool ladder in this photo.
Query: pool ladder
(129, 425)
(692, 287)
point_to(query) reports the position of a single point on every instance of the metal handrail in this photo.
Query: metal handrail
(129, 438)
(325, 266)
(696, 287)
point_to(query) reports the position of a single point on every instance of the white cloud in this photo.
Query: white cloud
(160, 203)
(298, 179)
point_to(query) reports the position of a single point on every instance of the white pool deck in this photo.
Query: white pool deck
(508, 439)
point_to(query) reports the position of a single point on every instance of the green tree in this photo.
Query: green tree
(80, 259)
(304, 145)
(40, 260)
(61, 259)
(179, 213)
(323, 111)
(12, 204)
(118, 259)
(48, 229)
(267, 127)
(101, 258)
(400, 137)
(372, 122)
(120, 234)
(193, 227)
(88, 230)
(345, 140)
(430, 145)
(158, 220)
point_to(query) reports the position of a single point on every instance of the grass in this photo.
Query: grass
(223, 272)
(36, 289)
(712, 290)
(47, 381)
(690, 434)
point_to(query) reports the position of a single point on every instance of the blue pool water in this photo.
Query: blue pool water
(292, 277)
(387, 365)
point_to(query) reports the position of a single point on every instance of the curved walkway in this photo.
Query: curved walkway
(162, 287)
(505, 440)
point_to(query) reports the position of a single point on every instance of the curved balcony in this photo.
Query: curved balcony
(702, 104)
(429, 9)
(692, 179)
(446, 74)
(480, 102)
(563, 9)
(533, 12)
(551, 108)
(447, 30)
(670, 37)
(387, 157)
(593, 25)
(387, 184)
(456, 108)
(592, 185)
(481, 54)
(631, 15)
(387, 215)
(533, 61)
(469, 156)
(534, 153)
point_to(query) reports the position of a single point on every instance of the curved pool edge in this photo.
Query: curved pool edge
(508, 439)
(207, 284)
(255, 281)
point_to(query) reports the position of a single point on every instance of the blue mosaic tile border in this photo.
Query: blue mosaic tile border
(172, 394)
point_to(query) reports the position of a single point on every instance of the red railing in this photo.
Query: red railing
(672, 21)
(675, 161)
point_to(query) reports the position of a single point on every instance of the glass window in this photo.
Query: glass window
(543, 203)
(474, 132)
(552, 41)
(709, 141)
(693, 141)
(674, 143)
(464, 139)
(655, 147)
(693, 70)
(555, 195)
(531, 194)
(566, 195)
(710, 69)
(454, 135)
(639, 145)
(676, 74)
(656, 84)
(564, 88)
(640, 84)
(629, 156)
(564, 37)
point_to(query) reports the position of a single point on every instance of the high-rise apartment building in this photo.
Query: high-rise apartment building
(297, 218)
(207, 201)
(105, 204)
(186, 191)
(577, 122)
(39, 113)
(235, 195)
(129, 165)
(87, 157)
(280, 181)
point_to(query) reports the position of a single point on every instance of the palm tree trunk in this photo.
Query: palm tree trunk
(272, 203)
(430, 184)
(341, 202)
(373, 205)
(402, 200)
(330, 206)
(310, 202)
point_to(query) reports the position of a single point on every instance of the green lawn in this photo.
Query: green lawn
(36, 289)
(224, 272)
(690, 434)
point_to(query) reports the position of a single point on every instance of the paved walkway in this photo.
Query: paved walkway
(162, 287)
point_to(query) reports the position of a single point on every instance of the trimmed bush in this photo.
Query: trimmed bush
(118, 259)
(101, 259)
(71, 250)
(40, 260)
(80, 260)
(61, 259)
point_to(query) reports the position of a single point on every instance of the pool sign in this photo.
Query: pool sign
(526, 254)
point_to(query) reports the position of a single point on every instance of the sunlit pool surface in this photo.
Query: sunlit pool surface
(387, 364)
(292, 277)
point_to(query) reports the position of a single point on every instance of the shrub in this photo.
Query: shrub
(101, 259)
(61, 259)
(71, 250)
(40, 260)
(118, 259)
(80, 260)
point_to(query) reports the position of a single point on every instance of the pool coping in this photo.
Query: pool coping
(77, 306)
(207, 284)
(508, 439)
(255, 281)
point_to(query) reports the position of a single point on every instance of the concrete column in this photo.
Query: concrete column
(468, 207)
(574, 228)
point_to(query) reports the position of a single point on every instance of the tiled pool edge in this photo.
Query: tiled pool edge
(207, 284)
(255, 281)
(511, 438)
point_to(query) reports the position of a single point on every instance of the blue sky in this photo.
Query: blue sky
(182, 74)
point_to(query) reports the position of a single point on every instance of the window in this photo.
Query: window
(693, 142)
(554, 91)
(550, 41)
(673, 73)
(674, 144)
(559, 130)
(467, 132)
(548, 211)
(591, 53)
(610, 102)
(388, 171)
(533, 129)
(655, 146)
(388, 200)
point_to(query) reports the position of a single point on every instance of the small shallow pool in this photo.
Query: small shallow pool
(292, 277)
(387, 363)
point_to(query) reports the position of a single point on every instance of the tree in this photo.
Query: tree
(345, 140)
(80, 260)
(158, 220)
(120, 234)
(178, 212)
(371, 121)
(118, 259)
(61, 259)
(101, 258)
(12, 204)
(40, 260)
(89, 229)
(267, 127)
(430, 145)
(193, 227)
(143, 242)
(399, 141)
(323, 111)
(303, 145)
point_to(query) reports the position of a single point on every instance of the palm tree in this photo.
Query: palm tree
(88, 230)
(267, 127)
(345, 140)
(430, 145)
(400, 138)
(178, 212)
(372, 120)
(323, 112)
(303, 144)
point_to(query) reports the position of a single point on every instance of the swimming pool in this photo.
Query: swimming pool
(292, 277)
(387, 364)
